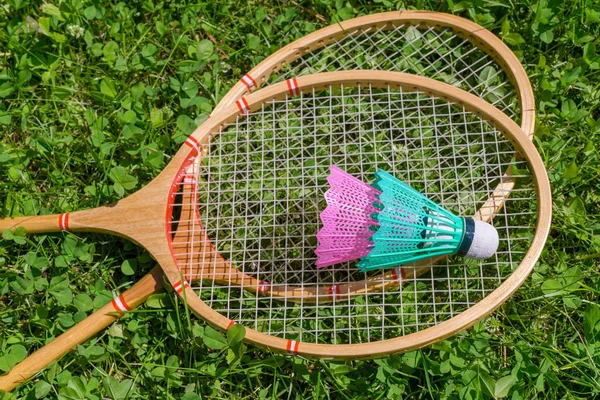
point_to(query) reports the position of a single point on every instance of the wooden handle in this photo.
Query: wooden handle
(36, 362)
(38, 224)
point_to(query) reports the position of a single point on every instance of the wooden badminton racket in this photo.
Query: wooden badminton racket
(437, 45)
(260, 185)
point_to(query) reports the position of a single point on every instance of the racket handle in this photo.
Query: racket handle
(36, 224)
(36, 362)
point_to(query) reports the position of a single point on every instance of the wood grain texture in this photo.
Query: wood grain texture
(37, 224)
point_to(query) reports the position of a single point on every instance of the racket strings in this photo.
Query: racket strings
(434, 52)
(260, 191)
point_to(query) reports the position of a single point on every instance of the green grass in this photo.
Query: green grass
(95, 97)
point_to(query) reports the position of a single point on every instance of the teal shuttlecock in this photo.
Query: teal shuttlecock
(413, 227)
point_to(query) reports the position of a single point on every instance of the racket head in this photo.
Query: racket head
(300, 292)
(436, 45)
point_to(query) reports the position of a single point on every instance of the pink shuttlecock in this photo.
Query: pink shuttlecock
(348, 221)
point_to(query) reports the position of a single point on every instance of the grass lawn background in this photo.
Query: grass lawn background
(96, 96)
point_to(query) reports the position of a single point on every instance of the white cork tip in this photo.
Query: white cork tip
(485, 241)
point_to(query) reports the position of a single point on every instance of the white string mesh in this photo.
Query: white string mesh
(260, 192)
(434, 52)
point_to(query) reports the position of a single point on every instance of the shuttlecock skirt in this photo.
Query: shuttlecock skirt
(349, 221)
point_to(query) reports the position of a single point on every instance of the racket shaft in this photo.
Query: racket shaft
(37, 224)
(99, 320)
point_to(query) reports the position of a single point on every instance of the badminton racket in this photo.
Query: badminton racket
(260, 186)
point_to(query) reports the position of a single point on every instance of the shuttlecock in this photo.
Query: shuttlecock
(413, 227)
(391, 224)
(349, 220)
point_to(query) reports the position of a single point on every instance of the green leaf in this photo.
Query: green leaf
(66, 320)
(547, 36)
(576, 210)
(190, 88)
(17, 236)
(90, 12)
(18, 352)
(539, 383)
(79, 316)
(149, 50)
(571, 112)
(44, 25)
(204, 49)
(118, 390)
(128, 117)
(503, 386)
(5, 119)
(174, 84)
(591, 323)
(161, 28)
(15, 355)
(59, 288)
(457, 361)
(116, 330)
(232, 356)
(107, 88)
(21, 285)
(156, 301)
(252, 41)
(260, 14)
(158, 372)
(59, 37)
(552, 287)
(41, 284)
(345, 13)
(487, 382)
(514, 39)
(185, 124)
(190, 396)
(339, 368)
(213, 339)
(572, 171)
(6, 89)
(41, 389)
(156, 117)
(235, 334)
(571, 276)
(571, 75)
(120, 177)
(412, 359)
(128, 267)
(572, 301)
(591, 16)
(91, 352)
(155, 159)
(83, 302)
(589, 52)
(488, 76)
